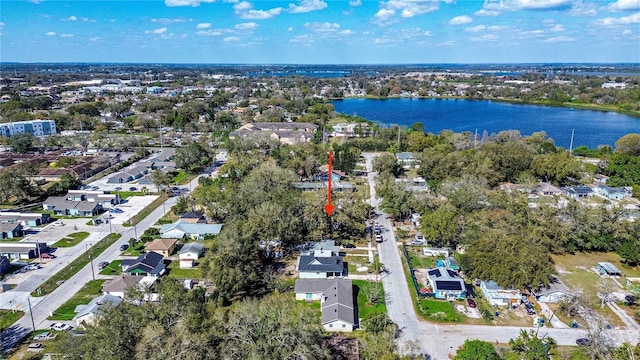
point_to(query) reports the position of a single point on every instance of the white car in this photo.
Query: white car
(61, 327)
(379, 238)
(44, 336)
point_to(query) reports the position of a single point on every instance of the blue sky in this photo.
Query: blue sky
(320, 32)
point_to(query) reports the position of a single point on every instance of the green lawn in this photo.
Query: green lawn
(73, 267)
(419, 261)
(71, 239)
(175, 272)
(8, 317)
(367, 310)
(134, 251)
(182, 178)
(438, 310)
(112, 269)
(89, 291)
(127, 194)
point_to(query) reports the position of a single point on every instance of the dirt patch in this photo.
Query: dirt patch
(422, 276)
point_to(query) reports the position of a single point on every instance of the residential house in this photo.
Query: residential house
(578, 192)
(189, 253)
(607, 268)
(498, 296)
(22, 249)
(148, 264)
(193, 217)
(600, 179)
(105, 199)
(320, 267)
(164, 247)
(612, 193)
(181, 228)
(62, 206)
(129, 175)
(87, 314)
(309, 186)
(119, 286)
(546, 189)
(5, 265)
(432, 252)
(26, 219)
(286, 133)
(406, 159)
(324, 248)
(336, 301)
(554, 293)
(10, 230)
(336, 175)
(446, 284)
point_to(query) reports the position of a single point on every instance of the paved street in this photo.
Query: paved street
(42, 307)
(438, 340)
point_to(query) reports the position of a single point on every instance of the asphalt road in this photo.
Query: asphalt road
(41, 307)
(438, 341)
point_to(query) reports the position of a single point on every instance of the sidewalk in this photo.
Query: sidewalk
(555, 322)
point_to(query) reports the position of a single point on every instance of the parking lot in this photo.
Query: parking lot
(125, 211)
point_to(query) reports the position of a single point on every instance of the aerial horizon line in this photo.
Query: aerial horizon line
(315, 64)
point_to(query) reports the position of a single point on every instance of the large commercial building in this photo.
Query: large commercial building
(35, 127)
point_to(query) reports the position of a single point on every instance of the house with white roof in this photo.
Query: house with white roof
(181, 228)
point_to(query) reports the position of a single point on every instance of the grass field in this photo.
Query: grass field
(113, 268)
(419, 261)
(127, 194)
(438, 310)
(8, 317)
(71, 239)
(176, 273)
(89, 291)
(68, 271)
(367, 310)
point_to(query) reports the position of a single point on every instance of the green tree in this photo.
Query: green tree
(21, 143)
(440, 227)
(530, 347)
(192, 157)
(629, 144)
(387, 163)
(476, 350)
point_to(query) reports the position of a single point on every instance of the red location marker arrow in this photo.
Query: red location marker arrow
(329, 208)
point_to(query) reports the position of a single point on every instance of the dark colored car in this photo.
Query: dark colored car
(471, 302)
(124, 247)
(47, 256)
(583, 342)
(349, 246)
(102, 265)
(133, 188)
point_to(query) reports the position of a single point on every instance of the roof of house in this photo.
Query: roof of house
(555, 285)
(10, 226)
(121, 283)
(191, 215)
(338, 302)
(94, 305)
(190, 228)
(147, 262)
(547, 187)
(404, 155)
(192, 247)
(445, 279)
(609, 268)
(326, 244)
(310, 263)
(310, 285)
(161, 244)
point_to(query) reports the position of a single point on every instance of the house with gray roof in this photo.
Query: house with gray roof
(339, 312)
(446, 284)
(189, 253)
(26, 219)
(320, 267)
(181, 228)
(10, 230)
(60, 205)
(87, 314)
(147, 264)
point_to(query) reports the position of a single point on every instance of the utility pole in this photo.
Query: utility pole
(33, 323)
(93, 274)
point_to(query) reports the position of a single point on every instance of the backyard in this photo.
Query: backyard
(112, 269)
(89, 291)
(175, 272)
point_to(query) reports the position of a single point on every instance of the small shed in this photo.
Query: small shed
(607, 268)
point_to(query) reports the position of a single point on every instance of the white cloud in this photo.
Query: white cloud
(485, 37)
(212, 32)
(346, 32)
(625, 20)
(548, 21)
(322, 26)
(203, 26)
(497, 27)
(516, 5)
(448, 43)
(622, 5)
(485, 12)
(461, 20)
(247, 26)
(159, 31)
(50, 33)
(405, 8)
(290, 28)
(305, 39)
(245, 10)
(72, 18)
(559, 39)
(627, 32)
(307, 6)
(193, 3)
(557, 28)
(355, 3)
(428, 33)
(168, 21)
(231, 38)
(66, 35)
(476, 28)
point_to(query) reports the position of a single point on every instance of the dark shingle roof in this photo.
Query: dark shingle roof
(309, 263)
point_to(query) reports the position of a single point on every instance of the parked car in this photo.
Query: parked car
(47, 256)
(379, 238)
(583, 342)
(348, 246)
(471, 302)
(420, 238)
(102, 265)
(118, 188)
(44, 336)
(124, 247)
(416, 243)
(95, 188)
(133, 188)
(35, 347)
(60, 326)
(32, 267)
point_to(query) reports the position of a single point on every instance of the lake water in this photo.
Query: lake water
(592, 128)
